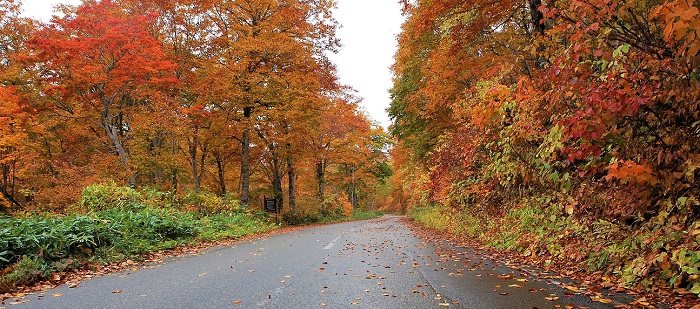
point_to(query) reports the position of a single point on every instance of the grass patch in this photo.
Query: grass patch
(366, 215)
(34, 246)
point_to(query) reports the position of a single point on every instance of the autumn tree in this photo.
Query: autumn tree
(255, 45)
(100, 64)
(175, 95)
(18, 121)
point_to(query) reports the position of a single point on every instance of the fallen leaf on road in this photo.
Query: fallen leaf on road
(573, 289)
(236, 302)
(56, 294)
(552, 297)
(116, 291)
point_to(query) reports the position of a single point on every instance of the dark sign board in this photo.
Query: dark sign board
(270, 205)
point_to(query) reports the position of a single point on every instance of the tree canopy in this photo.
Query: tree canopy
(231, 97)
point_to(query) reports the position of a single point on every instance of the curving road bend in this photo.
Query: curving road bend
(366, 264)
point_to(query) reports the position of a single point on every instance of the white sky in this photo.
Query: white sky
(368, 35)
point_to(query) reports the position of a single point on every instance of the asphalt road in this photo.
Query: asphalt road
(366, 264)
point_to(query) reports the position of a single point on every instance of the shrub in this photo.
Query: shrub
(108, 195)
(334, 207)
(232, 225)
(301, 217)
(365, 215)
(210, 203)
(26, 271)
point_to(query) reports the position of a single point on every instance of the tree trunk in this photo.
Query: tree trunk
(197, 160)
(193, 163)
(202, 159)
(321, 179)
(113, 132)
(220, 168)
(276, 177)
(174, 149)
(245, 161)
(174, 179)
(291, 176)
(8, 186)
(352, 194)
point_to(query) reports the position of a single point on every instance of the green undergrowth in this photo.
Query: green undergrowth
(114, 223)
(365, 215)
(655, 252)
(333, 208)
(306, 218)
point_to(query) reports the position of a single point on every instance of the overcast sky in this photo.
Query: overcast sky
(368, 35)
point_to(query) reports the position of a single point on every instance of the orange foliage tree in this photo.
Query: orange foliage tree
(19, 125)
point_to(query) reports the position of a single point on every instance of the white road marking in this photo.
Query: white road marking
(331, 244)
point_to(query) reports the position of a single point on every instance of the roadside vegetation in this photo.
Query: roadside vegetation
(566, 131)
(112, 223)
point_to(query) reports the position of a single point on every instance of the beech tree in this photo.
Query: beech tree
(258, 45)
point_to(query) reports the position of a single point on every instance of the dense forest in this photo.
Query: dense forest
(568, 131)
(236, 98)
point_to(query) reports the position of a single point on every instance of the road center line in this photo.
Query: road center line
(331, 244)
